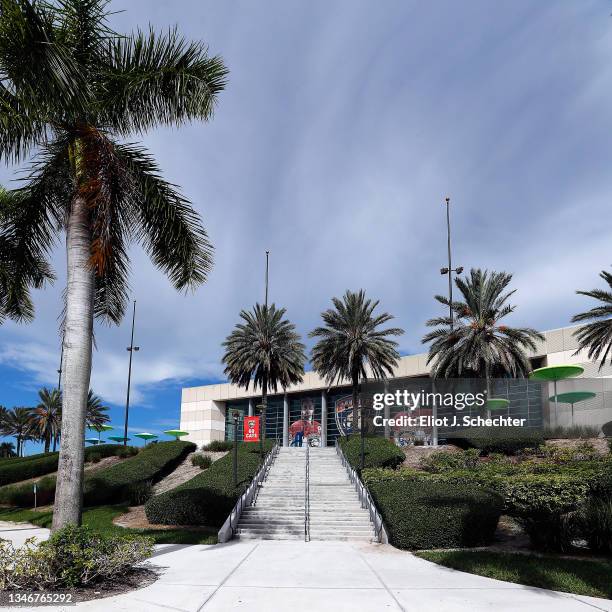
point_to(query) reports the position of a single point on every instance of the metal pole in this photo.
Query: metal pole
(450, 265)
(59, 372)
(235, 462)
(267, 266)
(131, 350)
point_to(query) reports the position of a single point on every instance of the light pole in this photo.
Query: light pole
(264, 400)
(449, 270)
(131, 350)
(235, 416)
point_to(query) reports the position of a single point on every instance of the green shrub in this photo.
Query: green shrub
(95, 458)
(606, 428)
(422, 514)
(208, 498)
(442, 461)
(72, 557)
(506, 440)
(113, 484)
(595, 524)
(575, 431)
(138, 493)
(217, 446)
(202, 461)
(379, 452)
(39, 465)
(583, 451)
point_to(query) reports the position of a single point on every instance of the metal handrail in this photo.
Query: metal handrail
(307, 495)
(228, 530)
(365, 498)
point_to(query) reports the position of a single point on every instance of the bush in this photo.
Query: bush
(138, 493)
(606, 428)
(72, 557)
(217, 446)
(379, 452)
(575, 431)
(442, 461)
(115, 483)
(208, 498)
(595, 524)
(202, 461)
(583, 451)
(422, 514)
(506, 440)
(16, 470)
(95, 458)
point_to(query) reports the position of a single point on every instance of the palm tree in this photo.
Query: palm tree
(3, 420)
(351, 340)
(46, 417)
(7, 449)
(96, 411)
(19, 424)
(597, 336)
(17, 274)
(477, 344)
(264, 350)
(72, 92)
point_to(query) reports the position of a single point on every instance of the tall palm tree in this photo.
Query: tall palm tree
(264, 350)
(72, 91)
(3, 420)
(478, 344)
(19, 425)
(46, 417)
(96, 411)
(597, 336)
(7, 449)
(350, 341)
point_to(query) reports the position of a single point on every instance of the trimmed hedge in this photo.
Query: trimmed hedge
(379, 452)
(506, 440)
(421, 514)
(208, 498)
(217, 446)
(119, 482)
(44, 463)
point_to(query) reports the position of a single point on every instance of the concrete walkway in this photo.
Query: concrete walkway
(18, 533)
(272, 576)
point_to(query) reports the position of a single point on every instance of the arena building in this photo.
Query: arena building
(323, 412)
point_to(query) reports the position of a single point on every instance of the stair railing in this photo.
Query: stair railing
(307, 495)
(228, 530)
(365, 498)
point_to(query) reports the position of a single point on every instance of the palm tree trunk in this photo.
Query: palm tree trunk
(76, 367)
(47, 443)
(355, 425)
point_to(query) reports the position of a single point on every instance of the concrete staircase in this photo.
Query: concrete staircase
(335, 509)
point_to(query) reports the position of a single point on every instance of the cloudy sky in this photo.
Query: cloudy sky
(344, 125)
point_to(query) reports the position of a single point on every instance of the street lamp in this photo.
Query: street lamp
(449, 270)
(235, 416)
(131, 350)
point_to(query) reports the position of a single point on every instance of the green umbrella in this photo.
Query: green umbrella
(177, 433)
(555, 373)
(101, 428)
(118, 439)
(145, 435)
(497, 403)
(92, 440)
(572, 397)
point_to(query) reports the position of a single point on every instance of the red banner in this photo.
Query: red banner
(251, 429)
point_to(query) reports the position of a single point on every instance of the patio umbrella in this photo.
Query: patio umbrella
(101, 428)
(497, 403)
(92, 440)
(145, 435)
(118, 439)
(555, 373)
(177, 433)
(573, 397)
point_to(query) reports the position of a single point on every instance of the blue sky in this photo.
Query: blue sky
(342, 129)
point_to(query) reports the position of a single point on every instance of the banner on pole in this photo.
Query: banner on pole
(251, 429)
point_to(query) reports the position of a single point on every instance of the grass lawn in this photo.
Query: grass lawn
(101, 518)
(579, 576)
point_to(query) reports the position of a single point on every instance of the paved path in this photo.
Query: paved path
(272, 576)
(18, 533)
